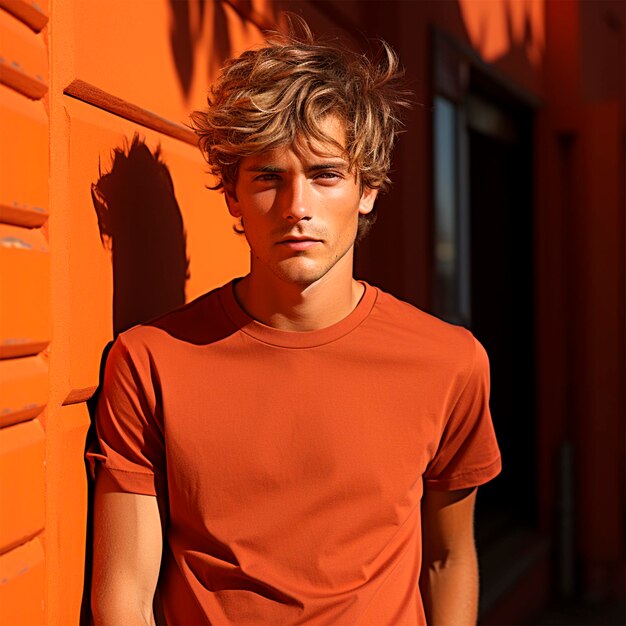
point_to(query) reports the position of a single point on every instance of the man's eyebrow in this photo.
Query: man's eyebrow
(273, 169)
(264, 168)
(332, 165)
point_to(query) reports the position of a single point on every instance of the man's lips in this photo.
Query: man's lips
(299, 243)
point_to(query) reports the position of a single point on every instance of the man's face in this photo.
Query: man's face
(300, 208)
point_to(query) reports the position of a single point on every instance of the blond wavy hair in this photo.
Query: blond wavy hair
(277, 95)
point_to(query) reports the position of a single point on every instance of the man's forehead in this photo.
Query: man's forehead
(285, 156)
(323, 154)
(308, 148)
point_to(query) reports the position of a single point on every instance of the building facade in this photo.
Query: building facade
(506, 215)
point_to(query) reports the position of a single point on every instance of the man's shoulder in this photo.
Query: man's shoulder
(409, 316)
(198, 321)
(422, 330)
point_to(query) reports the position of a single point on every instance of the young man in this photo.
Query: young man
(296, 446)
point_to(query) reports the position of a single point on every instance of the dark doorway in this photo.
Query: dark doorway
(483, 279)
(499, 144)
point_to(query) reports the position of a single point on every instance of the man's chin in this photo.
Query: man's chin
(299, 273)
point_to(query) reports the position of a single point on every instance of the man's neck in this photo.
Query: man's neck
(295, 307)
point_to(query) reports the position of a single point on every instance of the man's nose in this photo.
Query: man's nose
(295, 201)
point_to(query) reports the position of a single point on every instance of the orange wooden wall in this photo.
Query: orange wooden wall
(25, 312)
(79, 80)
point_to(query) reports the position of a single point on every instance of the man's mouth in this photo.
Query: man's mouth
(299, 243)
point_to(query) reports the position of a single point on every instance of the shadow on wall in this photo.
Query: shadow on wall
(140, 222)
(188, 21)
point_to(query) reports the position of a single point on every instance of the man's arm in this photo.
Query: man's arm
(449, 578)
(128, 542)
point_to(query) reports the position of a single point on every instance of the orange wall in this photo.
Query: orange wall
(580, 256)
(25, 315)
(129, 244)
(91, 76)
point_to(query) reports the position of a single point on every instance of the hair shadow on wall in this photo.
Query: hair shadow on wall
(141, 223)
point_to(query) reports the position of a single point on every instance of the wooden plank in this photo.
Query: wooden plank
(81, 90)
(22, 472)
(78, 396)
(23, 58)
(31, 13)
(23, 215)
(23, 389)
(24, 286)
(12, 75)
(90, 94)
(23, 160)
(22, 580)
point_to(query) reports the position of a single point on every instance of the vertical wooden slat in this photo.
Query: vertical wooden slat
(71, 543)
(25, 323)
(21, 483)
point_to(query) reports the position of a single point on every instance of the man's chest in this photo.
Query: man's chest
(294, 422)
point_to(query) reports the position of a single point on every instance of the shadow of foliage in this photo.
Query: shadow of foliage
(186, 25)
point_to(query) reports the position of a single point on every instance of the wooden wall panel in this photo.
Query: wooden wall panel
(23, 62)
(66, 475)
(110, 80)
(24, 284)
(23, 160)
(21, 483)
(25, 322)
(34, 14)
(127, 252)
(169, 62)
(22, 578)
(23, 389)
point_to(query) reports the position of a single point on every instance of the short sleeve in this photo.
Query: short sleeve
(129, 433)
(468, 453)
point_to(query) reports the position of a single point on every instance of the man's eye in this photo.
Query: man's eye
(266, 177)
(328, 176)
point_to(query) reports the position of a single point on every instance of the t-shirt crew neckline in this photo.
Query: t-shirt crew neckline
(295, 339)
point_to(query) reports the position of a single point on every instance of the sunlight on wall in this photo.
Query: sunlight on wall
(495, 27)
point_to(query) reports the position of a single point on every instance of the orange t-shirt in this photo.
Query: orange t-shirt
(292, 464)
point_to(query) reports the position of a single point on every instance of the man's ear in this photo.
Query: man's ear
(231, 201)
(368, 197)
